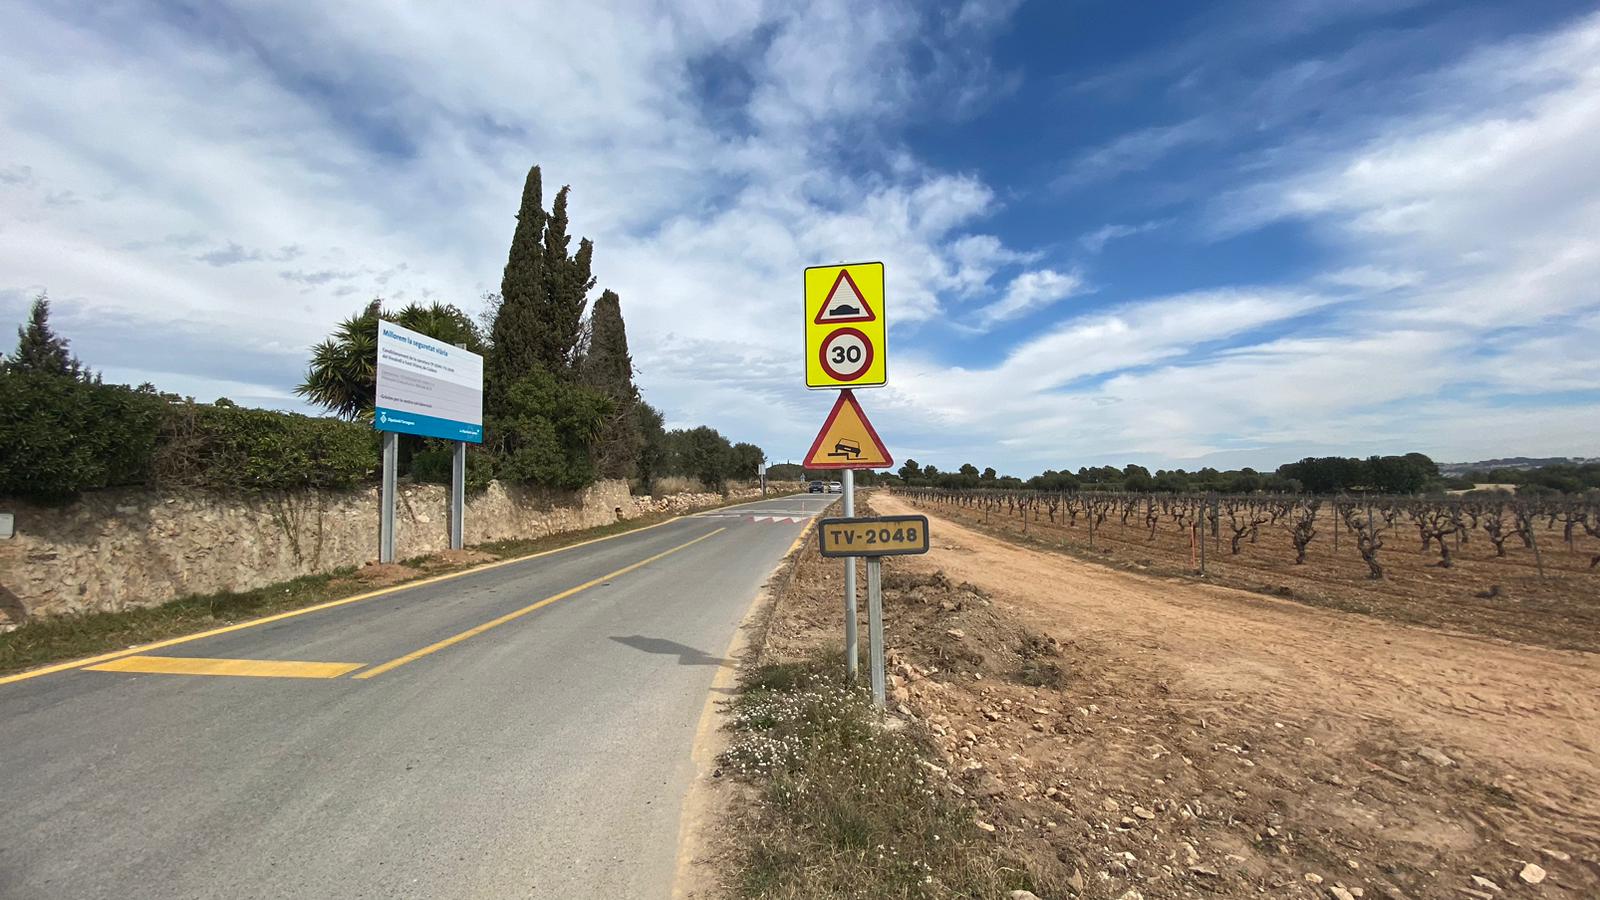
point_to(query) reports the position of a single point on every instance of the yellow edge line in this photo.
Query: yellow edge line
(239, 626)
(495, 623)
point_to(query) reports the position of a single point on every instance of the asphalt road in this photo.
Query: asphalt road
(544, 756)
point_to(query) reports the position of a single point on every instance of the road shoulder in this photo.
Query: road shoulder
(702, 834)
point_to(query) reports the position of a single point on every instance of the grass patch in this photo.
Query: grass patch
(847, 808)
(69, 637)
(63, 638)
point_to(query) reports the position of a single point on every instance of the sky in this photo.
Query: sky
(1180, 235)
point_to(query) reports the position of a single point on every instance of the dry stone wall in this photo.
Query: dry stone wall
(114, 550)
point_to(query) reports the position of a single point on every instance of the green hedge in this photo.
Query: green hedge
(432, 464)
(227, 447)
(60, 435)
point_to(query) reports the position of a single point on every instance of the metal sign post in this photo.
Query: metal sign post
(846, 341)
(873, 537)
(391, 462)
(458, 497)
(875, 628)
(852, 642)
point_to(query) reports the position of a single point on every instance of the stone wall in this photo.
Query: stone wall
(113, 550)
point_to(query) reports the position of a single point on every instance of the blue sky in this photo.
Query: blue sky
(1175, 234)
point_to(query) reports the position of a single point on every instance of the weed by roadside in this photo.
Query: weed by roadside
(848, 807)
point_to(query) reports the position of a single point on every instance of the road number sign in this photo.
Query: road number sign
(874, 536)
(844, 326)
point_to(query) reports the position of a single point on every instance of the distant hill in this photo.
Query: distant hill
(1512, 462)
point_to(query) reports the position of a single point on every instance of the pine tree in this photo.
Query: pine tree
(518, 323)
(608, 368)
(39, 349)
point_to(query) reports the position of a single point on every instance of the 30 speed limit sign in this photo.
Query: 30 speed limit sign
(845, 326)
(846, 354)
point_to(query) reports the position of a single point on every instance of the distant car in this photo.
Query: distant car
(817, 487)
(835, 487)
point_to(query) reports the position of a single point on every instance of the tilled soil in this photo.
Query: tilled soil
(1160, 738)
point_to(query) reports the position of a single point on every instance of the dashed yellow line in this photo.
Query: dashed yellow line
(249, 668)
(495, 623)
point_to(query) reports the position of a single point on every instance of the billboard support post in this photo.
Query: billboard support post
(458, 497)
(391, 462)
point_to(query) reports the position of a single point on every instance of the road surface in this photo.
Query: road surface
(496, 734)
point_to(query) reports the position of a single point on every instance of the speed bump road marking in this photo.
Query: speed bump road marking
(246, 668)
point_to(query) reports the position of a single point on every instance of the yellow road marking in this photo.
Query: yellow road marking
(495, 623)
(253, 668)
(239, 626)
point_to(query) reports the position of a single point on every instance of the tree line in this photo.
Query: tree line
(1410, 473)
(1561, 478)
(561, 408)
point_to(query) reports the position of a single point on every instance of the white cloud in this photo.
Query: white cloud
(204, 204)
(1096, 240)
(1136, 151)
(1465, 266)
(266, 170)
(1371, 278)
(1032, 291)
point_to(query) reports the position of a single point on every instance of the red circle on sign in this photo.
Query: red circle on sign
(866, 343)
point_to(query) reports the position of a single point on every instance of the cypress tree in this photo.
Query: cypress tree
(608, 368)
(519, 322)
(567, 281)
(39, 349)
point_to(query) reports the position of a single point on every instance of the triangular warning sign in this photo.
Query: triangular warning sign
(847, 440)
(844, 303)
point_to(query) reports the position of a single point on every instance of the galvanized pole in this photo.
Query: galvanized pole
(458, 497)
(391, 462)
(875, 627)
(851, 642)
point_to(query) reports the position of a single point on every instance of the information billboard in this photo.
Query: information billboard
(427, 387)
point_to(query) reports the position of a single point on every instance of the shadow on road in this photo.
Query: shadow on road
(687, 656)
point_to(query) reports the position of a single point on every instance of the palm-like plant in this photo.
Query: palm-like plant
(343, 374)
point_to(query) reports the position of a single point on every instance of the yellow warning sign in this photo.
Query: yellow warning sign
(844, 326)
(847, 440)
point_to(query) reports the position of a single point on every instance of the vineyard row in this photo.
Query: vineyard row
(1441, 524)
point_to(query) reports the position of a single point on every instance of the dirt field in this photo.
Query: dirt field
(1480, 593)
(1161, 738)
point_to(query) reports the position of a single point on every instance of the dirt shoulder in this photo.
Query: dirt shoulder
(1181, 739)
